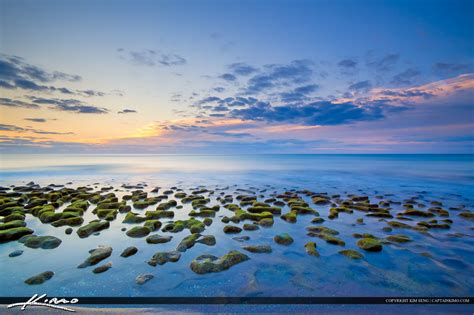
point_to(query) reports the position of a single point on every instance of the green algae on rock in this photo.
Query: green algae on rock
(96, 256)
(14, 234)
(161, 258)
(310, 248)
(231, 229)
(398, 238)
(44, 242)
(209, 263)
(158, 239)
(370, 244)
(283, 239)
(40, 278)
(92, 227)
(258, 248)
(138, 231)
(351, 253)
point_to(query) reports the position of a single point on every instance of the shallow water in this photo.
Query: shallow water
(399, 270)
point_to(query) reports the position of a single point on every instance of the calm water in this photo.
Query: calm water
(398, 270)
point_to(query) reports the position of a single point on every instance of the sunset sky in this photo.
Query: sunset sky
(226, 77)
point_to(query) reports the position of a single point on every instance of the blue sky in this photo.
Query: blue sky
(196, 76)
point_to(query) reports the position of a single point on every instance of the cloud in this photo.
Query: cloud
(4, 127)
(347, 63)
(38, 120)
(446, 68)
(298, 94)
(69, 105)
(151, 58)
(218, 89)
(385, 63)
(277, 75)
(316, 113)
(15, 73)
(4, 101)
(360, 86)
(241, 68)
(406, 77)
(228, 77)
(127, 111)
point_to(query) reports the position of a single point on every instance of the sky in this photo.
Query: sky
(236, 77)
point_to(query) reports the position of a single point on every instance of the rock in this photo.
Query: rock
(467, 215)
(92, 227)
(241, 238)
(15, 253)
(329, 238)
(96, 255)
(14, 234)
(418, 213)
(40, 278)
(258, 248)
(44, 242)
(283, 239)
(317, 220)
(311, 249)
(138, 231)
(322, 229)
(144, 277)
(351, 253)
(207, 221)
(160, 258)
(250, 227)
(209, 240)
(187, 242)
(387, 229)
(68, 231)
(360, 221)
(103, 268)
(289, 217)
(209, 263)
(370, 244)
(158, 239)
(231, 229)
(129, 251)
(132, 217)
(267, 222)
(399, 238)
(12, 224)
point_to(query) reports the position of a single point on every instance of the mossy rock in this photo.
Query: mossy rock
(159, 214)
(73, 221)
(396, 224)
(14, 234)
(207, 221)
(40, 278)
(258, 248)
(161, 258)
(231, 229)
(44, 242)
(132, 217)
(467, 215)
(289, 217)
(92, 227)
(107, 214)
(158, 239)
(250, 227)
(15, 216)
(283, 239)
(129, 251)
(180, 195)
(153, 225)
(317, 220)
(203, 213)
(303, 210)
(267, 222)
(399, 238)
(329, 238)
(321, 200)
(260, 209)
(322, 229)
(418, 213)
(310, 248)
(370, 244)
(96, 256)
(187, 242)
(208, 240)
(364, 235)
(12, 224)
(353, 254)
(138, 231)
(208, 263)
